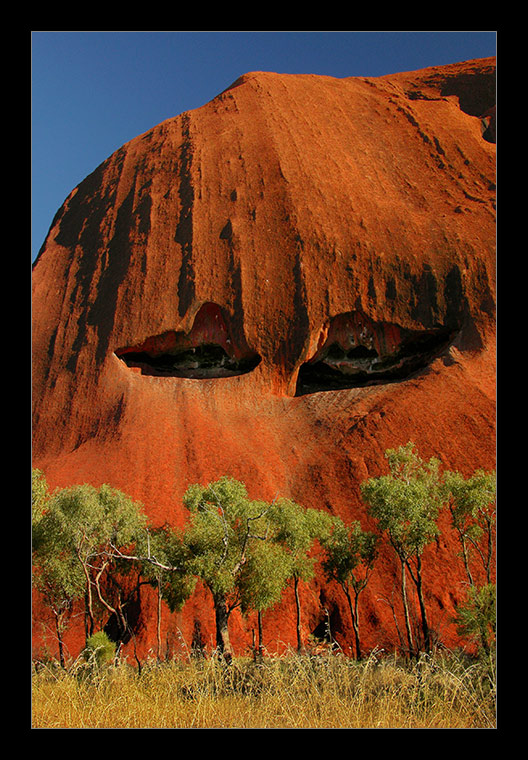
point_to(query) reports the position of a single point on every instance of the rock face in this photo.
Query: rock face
(279, 286)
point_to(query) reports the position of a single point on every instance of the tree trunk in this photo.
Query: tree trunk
(298, 608)
(88, 601)
(58, 626)
(159, 621)
(489, 553)
(223, 643)
(259, 614)
(421, 601)
(355, 621)
(406, 607)
(466, 558)
(89, 624)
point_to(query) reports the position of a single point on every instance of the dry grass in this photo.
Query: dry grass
(328, 691)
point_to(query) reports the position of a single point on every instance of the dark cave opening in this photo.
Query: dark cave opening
(199, 362)
(335, 368)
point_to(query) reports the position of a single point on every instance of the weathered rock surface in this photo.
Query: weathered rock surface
(279, 286)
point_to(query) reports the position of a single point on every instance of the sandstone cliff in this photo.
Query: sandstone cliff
(278, 286)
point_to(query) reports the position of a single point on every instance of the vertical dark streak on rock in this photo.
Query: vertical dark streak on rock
(235, 275)
(80, 228)
(302, 324)
(292, 345)
(103, 312)
(184, 229)
(458, 310)
(424, 301)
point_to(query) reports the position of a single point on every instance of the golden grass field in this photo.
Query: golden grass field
(294, 691)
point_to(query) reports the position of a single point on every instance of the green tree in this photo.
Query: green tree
(263, 579)
(56, 574)
(296, 529)
(219, 546)
(472, 506)
(164, 560)
(166, 567)
(350, 554)
(406, 504)
(476, 617)
(82, 534)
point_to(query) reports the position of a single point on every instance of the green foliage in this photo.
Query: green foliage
(246, 551)
(406, 503)
(473, 500)
(476, 617)
(168, 549)
(223, 528)
(244, 548)
(472, 506)
(57, 573)
(350, 553)
(78, 541)
(296, 529)
(85, 521)
(264, 576)
(99, 649)
(39, 495)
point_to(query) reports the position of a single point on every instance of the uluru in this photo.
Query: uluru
(278, 286)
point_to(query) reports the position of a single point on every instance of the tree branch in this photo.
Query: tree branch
(118, 554)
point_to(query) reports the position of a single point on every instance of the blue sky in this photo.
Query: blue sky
(94, 91)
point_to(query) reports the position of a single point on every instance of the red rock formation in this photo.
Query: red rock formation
(199, 292)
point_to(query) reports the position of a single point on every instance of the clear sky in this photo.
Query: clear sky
(94, 91)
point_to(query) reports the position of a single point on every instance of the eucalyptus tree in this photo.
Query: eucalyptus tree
(264, 576)
(350, 554)
(296, 529)
(56, 576)
(222, 544)
(60, 584)
(406, 505)
(81, 535)
(245, 551)
(165, 565)
(472, 505)
(476, 616)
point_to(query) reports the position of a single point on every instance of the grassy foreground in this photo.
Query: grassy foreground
(328, 691)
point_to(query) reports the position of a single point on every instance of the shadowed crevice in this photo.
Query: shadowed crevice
(370, 354)
(200, 362)
(207, 351)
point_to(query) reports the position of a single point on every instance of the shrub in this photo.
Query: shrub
(99, 650)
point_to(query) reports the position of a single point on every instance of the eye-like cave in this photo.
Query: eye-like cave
(207, 351)
(199, 362)
(358, 352)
